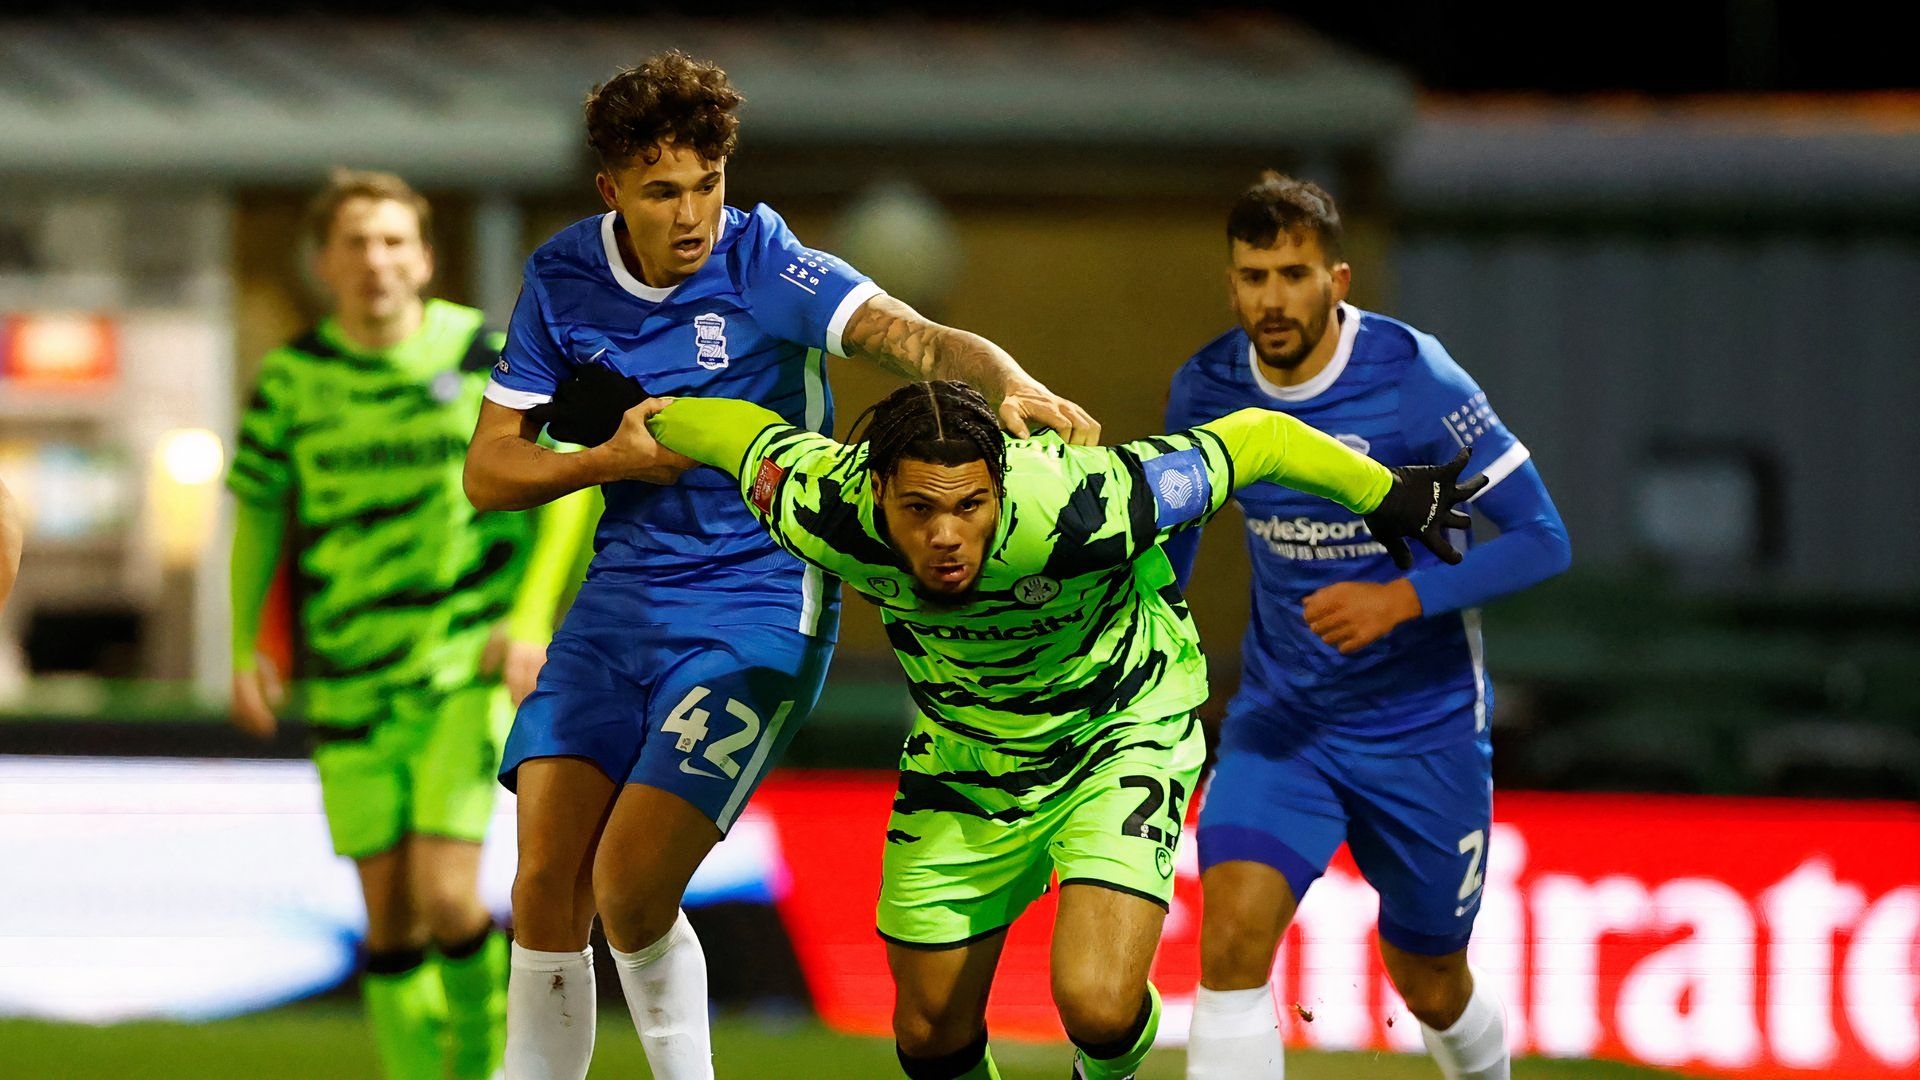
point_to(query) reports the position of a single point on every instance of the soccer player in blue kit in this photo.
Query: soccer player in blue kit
(1362, 709)
(696, 646)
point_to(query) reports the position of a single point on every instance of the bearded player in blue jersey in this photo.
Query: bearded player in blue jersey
(1363, 704)
(697, 646)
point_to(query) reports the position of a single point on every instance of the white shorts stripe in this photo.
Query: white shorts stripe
(755, 766)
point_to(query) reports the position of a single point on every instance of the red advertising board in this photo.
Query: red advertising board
(1737, 937)
(58, 351)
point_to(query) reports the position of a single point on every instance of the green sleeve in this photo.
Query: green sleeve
(1270, 446)
(564, 527)
(258, 530)
(262, 469)
(713, 431)
(807, 489)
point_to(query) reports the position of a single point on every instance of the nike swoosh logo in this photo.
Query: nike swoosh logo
(688, 767)
(595, 356)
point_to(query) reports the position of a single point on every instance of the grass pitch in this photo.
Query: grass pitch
(329, 1040)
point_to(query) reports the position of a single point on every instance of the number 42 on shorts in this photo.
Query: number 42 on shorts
(689, 722)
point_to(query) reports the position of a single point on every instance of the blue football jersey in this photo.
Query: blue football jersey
(755, 323)
(1393, 393)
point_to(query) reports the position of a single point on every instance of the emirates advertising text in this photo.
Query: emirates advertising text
(1712, 936)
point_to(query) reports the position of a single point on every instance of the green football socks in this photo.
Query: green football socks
(971, 1062)
(1120, 1062)
(408, 1009)
(475, 977)
(986, 1070)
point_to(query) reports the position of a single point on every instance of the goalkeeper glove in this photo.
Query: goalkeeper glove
(586, 409)
(1422, 503)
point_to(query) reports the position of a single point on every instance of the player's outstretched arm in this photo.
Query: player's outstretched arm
(1410, 501)
(258, 532)
(712, 431)
(12, 531)
(891, 334)
(508, 469)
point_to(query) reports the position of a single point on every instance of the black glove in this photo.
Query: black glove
(587, 407)
(1422, 503)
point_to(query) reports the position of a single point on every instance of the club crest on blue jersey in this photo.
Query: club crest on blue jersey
(1181, 490)
(710, 341)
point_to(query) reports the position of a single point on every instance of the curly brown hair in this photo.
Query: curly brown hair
(669, 98)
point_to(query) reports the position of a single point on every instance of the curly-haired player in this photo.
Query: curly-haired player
(1056, 669)
(697, 646)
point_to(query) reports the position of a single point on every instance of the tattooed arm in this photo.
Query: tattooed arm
(889, 333)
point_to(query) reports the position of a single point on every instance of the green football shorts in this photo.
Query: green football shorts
(427, 768)
(977, 833)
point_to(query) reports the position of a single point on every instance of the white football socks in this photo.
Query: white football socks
(1235, 1035)
(551, 1006)
(666, 986)
(1475, 1047)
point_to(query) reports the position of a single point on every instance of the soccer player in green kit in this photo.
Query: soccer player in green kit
(350, 453)
(1054, 662)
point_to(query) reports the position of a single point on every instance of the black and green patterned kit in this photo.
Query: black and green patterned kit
(397, 580)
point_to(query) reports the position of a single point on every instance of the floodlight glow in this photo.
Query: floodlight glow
(192, 456)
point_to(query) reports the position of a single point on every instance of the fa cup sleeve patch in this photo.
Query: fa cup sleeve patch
(1182, 491)
(766, 484)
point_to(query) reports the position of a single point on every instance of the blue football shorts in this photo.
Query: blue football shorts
(698, 708)
(1416, 822)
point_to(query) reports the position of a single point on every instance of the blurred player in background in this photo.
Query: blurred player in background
(1056, 669)
(12, 530)
(1363, 704)
(350, 457)
(696, 647)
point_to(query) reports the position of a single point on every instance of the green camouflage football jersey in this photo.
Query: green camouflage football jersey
(398, 579)
(1076, 616)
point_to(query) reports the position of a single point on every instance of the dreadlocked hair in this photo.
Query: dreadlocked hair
(943, 422)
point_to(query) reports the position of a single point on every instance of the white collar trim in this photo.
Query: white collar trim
(609, 240)
(1314, 387)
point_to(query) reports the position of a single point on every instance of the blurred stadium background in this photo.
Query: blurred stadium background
(1679, 246)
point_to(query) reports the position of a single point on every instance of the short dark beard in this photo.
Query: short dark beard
(1310, 337)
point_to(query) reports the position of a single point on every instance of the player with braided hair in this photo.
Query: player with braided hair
(946, 423)
(1056, 669)
(689, 613)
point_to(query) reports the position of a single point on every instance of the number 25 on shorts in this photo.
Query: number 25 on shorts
(1137, 822)
(689, 722)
